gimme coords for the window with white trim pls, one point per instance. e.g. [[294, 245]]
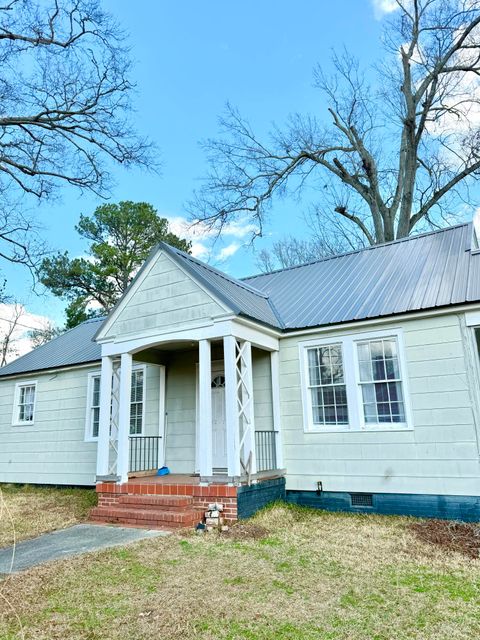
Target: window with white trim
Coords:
[[94, 406], [24, 403], [137, 398], [328, 392], [380, 381], [136, 403], [354, 382]]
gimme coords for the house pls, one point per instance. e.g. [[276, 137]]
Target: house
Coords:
[[350, 383]]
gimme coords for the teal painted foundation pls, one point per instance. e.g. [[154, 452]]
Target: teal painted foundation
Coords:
[[465, 508]]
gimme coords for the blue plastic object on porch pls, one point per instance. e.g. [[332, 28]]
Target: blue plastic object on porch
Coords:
[[164, 471]]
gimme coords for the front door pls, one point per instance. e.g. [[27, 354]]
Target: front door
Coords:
[[219, 444]]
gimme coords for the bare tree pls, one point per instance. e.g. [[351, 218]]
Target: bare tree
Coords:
[[44, 334], [9, 334], [291, 251], [394, 153], [65, 94]]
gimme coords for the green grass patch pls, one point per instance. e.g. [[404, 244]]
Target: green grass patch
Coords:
[[313, 575]]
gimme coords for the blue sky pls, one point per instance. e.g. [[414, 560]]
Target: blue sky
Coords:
[[191, 58]]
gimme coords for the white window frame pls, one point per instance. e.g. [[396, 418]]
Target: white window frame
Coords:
[[88, 420], [356, 418], [16, 422], [143, 368], [88, 416]]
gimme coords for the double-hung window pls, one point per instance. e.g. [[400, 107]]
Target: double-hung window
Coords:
[[24, 403], [136, 403], [380, 381], [354, 383], [326, 381], [137, 398], [93, 412]]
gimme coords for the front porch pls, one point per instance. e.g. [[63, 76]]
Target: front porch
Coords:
[[208, 410]]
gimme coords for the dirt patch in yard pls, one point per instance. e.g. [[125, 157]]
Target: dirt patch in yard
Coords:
[[460, 537], [245, 531]]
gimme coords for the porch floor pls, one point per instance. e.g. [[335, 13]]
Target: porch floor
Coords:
[[171, 478]]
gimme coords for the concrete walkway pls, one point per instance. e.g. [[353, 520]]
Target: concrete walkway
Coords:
[[73, 541]]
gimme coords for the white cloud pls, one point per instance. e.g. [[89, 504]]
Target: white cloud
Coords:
[[20, 342], [384, 7], [205, 239], [199, 250], [228, 251]]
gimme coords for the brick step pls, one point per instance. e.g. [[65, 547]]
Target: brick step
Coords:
[[142, 524], [178, 503], [129, 515]]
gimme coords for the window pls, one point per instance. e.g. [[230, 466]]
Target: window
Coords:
[[327, 387], [382, 395], [136, 404], [24, 403], [93, 416], [354, 383]]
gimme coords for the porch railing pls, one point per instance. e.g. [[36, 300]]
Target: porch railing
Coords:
[[143, 452], [266, 450]]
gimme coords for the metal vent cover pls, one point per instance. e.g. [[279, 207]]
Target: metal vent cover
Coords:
[[361, 499]]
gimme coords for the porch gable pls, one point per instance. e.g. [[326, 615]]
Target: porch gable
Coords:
[[162, 296]]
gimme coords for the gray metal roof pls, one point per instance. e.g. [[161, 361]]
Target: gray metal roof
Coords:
[[432, 270], [72, 347], [427, 271], [240, 297]]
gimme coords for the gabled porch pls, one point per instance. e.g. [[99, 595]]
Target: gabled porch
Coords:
[[217, 426]]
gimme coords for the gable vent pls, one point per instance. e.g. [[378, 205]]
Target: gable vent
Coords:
[[361, 499]]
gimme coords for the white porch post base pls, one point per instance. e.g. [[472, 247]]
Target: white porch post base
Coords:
[[103, 444], [205, 408], [231, 406], [124, 416]]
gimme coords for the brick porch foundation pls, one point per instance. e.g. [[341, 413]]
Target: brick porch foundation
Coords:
[[163, 502], [112, 498]]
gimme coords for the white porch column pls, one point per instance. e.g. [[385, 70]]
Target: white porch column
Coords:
[[231, 406], [124, 415], [275, 373], [103, 444], [248, 406], [205, 408]]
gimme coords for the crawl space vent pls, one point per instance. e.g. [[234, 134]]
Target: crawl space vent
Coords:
[[361, 499]]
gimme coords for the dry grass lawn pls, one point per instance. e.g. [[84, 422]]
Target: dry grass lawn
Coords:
[[27, 511], [312, 576]]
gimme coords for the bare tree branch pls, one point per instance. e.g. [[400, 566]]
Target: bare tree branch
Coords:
[[405, 148], [65, 92]]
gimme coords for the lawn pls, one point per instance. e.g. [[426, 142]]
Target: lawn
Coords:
[[289, 574], [27, 511]]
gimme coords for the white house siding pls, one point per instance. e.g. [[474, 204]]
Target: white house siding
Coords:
[[180, 405], [164, 299], [52, 450], [262, 390], [152, 396], [439, 456]]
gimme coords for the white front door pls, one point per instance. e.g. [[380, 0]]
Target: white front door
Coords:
[[219, 439]]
